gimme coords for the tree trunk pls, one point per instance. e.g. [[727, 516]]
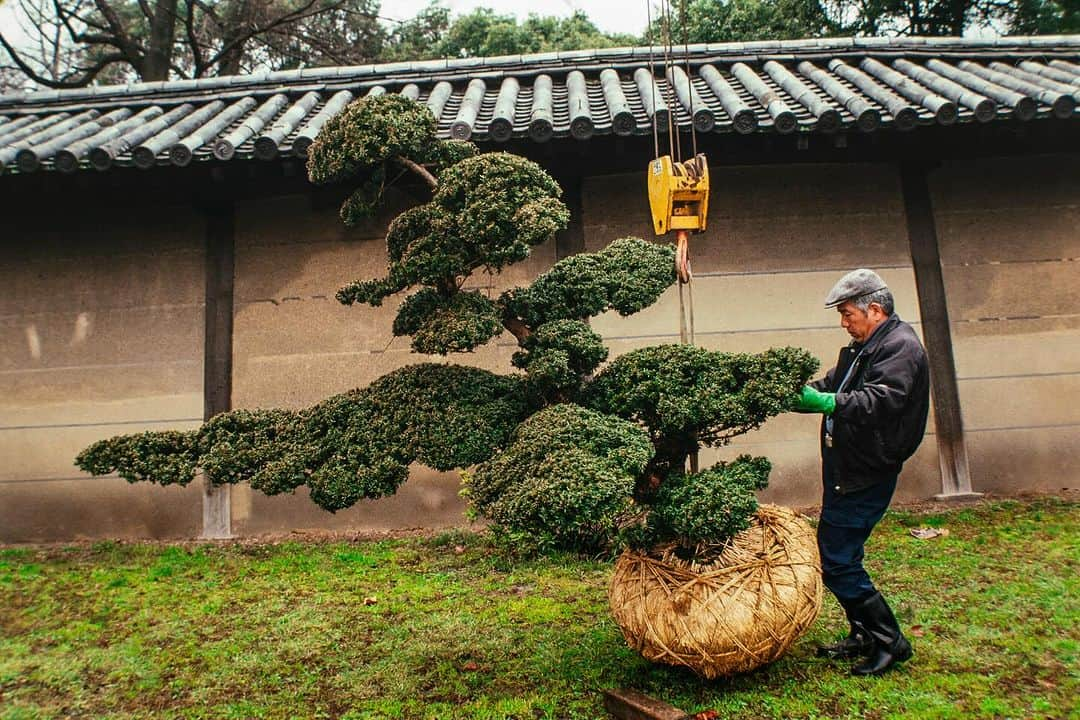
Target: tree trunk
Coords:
[[958, 16], [420, 170], [239, 22], [155, 65]]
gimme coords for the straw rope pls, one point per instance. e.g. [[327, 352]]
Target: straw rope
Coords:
[[733, 608]]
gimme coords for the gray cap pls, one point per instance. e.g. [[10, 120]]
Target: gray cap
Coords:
[[854, 285]]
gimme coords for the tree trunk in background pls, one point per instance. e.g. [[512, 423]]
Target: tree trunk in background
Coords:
[[155, 66], [237, 22]]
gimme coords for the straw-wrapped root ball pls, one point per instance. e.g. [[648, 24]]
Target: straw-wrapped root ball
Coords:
[[735, 607]]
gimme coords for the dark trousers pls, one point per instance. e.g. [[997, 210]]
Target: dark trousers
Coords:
[[846, 522]]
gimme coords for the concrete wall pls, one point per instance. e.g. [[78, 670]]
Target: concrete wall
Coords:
[[101, 333], [777, 240], [1010, 240]]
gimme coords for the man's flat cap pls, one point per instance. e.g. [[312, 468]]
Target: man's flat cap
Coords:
[[854, 285]]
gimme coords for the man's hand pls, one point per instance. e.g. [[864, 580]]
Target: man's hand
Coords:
[[811, 400]]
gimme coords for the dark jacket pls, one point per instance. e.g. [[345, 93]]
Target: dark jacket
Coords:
[[881, 414]]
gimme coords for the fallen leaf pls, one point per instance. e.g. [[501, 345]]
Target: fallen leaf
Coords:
[[706, 715], [470, 666], [916, 631], [926, 533], [371, 600], [459, 549]]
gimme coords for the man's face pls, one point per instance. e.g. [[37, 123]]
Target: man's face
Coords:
[[859, 323]]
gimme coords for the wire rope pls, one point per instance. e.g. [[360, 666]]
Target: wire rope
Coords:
[[652, 74], [674, 144], [689, 77]]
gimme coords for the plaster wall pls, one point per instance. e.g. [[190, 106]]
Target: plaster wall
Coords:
[[1009, 233], [101, 333]]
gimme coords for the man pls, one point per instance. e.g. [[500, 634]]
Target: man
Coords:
[[875, 402]]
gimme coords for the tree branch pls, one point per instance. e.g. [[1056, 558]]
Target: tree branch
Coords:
[[301, 13], [131, 49], [65, 20], [419, 170], [516, 327], [88, 76], [197, 55]]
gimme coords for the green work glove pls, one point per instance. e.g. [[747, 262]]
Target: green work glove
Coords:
[[811, 400]]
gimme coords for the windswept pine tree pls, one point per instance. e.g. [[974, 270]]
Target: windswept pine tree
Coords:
[[562, 448]]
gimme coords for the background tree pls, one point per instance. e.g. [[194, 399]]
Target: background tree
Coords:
[[570, 454], [420, 37], [740, 20], [1041, 17], [74, 43], [485, 33]]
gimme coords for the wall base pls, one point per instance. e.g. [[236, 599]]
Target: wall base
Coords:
[[959, 497]]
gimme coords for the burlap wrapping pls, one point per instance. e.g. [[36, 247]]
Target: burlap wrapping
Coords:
[[742, 609]]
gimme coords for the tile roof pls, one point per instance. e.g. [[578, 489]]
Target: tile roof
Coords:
[[825, 86]]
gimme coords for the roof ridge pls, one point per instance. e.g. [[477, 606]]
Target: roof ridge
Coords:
[[275, 81]]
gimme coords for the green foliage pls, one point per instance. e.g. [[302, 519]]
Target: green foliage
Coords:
[[366, 136], [349, 447], [626, 276], [740, 20], [444, 416], [707, 397], [251, 446], [484, 33], [365, 200], [552, 482], [445, 153], [709, 21], [487, 212], [441, 325], [166, 458], [566, 477], [1046, 17], [368, 133], [495, 207], [559, 356], [702, 507]]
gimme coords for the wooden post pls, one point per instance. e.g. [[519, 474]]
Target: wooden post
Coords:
[[217, 365], [926, 257]]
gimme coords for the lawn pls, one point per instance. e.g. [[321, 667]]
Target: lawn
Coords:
[[448, 627]]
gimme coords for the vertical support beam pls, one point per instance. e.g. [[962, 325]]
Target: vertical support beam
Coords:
[[926, 256], [217, 364]]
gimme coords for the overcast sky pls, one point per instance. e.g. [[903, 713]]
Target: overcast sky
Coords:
[[623, 16]]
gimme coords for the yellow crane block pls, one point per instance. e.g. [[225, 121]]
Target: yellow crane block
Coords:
[[679, 194]]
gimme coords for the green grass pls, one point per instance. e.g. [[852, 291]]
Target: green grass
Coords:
[[446, 627]]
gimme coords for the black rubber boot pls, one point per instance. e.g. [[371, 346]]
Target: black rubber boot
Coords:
[[856, 644], [890, 645]]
